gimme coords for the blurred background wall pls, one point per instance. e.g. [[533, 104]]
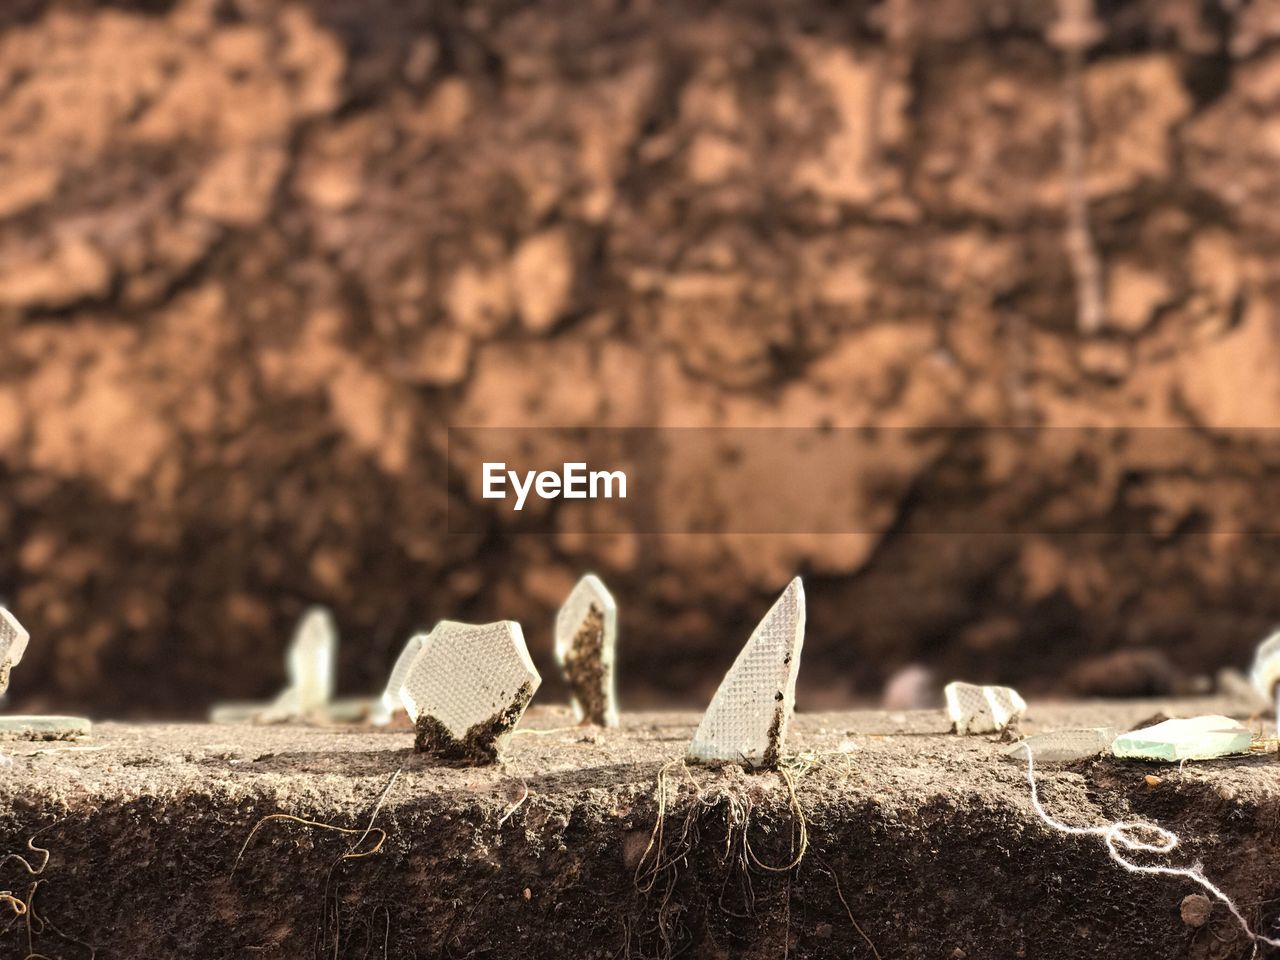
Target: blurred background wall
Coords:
[[256, 256]]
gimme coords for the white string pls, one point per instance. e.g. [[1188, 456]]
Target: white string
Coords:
[[1120, 835]]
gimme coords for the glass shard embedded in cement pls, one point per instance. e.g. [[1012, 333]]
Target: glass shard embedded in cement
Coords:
[[586, 638], [391, 702], [1059, 746], [310, 664], [1265, 674], [467, 688], [748, 717], [13, 643], [1197, 738], [982, 709], [313, 659]]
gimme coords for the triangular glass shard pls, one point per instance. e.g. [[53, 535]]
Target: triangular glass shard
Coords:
[[586, 638], [1197, 738], [467, 688], [390, 701], [747, 719], [982, 709], [13, 643]]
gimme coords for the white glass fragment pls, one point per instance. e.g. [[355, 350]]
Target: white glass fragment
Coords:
[[982, 709], [1059, 746], [389, 704], [1265, 674], [1266, 665], [310, 663], [13, 643], [467, 688], [748, 716], [1195, 738], [313, 659], [586, 639]]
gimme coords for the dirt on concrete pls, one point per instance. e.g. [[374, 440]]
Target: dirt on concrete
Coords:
[[916, 844]]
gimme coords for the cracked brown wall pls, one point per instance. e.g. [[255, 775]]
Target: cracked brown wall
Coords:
[[255, 256]]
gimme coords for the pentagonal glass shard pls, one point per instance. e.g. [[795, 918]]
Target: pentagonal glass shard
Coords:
[[747, 719], [13, 643], [586, 638], [1060, 746], [467, 688], [1196, 738], [391, 695], [982, 709]]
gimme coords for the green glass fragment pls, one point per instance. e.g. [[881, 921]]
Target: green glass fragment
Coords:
[[1195, 738]]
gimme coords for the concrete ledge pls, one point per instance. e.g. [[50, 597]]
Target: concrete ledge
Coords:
[[930, 839]]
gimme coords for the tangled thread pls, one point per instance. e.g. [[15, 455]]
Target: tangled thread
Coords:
[[1125, 835]]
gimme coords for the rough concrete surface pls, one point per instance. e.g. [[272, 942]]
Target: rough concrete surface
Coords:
[[929, 838]]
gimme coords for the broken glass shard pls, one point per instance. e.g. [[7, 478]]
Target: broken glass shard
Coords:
[[467, 688], [1059, 746], [390, 703], [748, 716], [1265, 674], [982, 709], [586, 636], [1196, 738], [13, 643], [312, 659], [310, 664], [44, 727]]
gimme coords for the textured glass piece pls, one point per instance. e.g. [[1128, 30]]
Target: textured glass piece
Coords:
[[1265, 674], [391, 702], [586, 640], [1058, 746], [748, 716], [467, 688], [1195, 738], [13, 643], [982, 709]]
